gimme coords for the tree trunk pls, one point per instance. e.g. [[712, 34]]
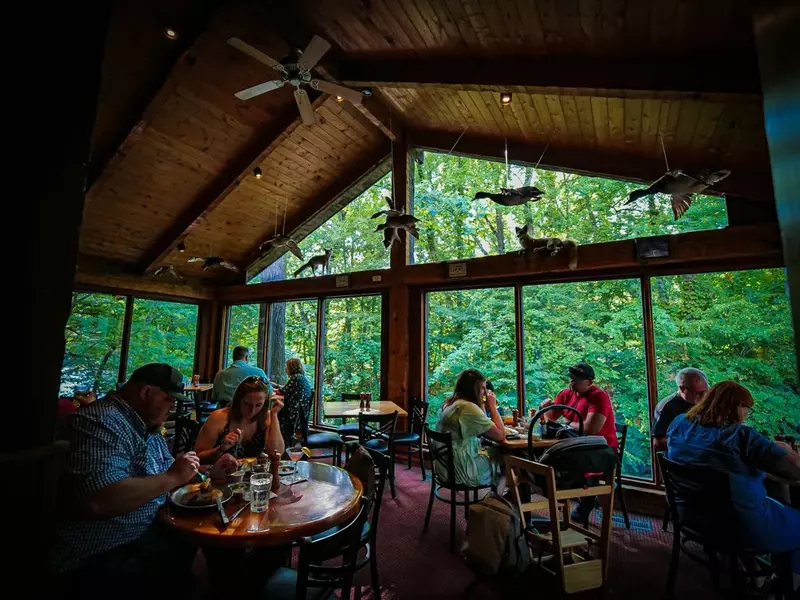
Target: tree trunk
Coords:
[[102, 367], [276, 345], [498, 231]]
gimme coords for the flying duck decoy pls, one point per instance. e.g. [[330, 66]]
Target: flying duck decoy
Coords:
[[214, 261], [169, 270], [407, 222], [388, 212], [512, 196], [282, 241], [680, 186]]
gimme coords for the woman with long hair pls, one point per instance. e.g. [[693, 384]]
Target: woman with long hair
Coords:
[[712, 434], [296, 399], [464, 417], [246, 428]]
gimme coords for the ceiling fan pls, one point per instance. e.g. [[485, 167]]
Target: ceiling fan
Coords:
[[295, 69]]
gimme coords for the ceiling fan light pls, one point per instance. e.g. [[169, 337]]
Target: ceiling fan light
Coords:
[[339, 99], [257, 172], [505, 98], [170, 33]]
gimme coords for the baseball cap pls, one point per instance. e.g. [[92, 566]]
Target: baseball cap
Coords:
[[161, 375], [582, 370]]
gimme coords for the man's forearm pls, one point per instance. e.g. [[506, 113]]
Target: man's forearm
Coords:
[[128, 494]]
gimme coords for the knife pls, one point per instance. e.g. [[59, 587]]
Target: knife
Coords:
[[221, 510], [238, 512]]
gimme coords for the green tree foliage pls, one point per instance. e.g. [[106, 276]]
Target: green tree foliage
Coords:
[[163, 332], [243, 330], [93, 338]]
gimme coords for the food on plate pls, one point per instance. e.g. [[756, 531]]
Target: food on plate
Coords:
[[239, 488], [197, 497], [205, 485]]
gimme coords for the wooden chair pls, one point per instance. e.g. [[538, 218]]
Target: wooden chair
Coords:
[[440, 446], [575, 555], [622, 436], [186, 430], [412, 440], [376, 432], [348, 429], [320, 440], [316, 568]]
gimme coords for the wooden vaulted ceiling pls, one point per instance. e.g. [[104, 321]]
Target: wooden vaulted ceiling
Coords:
[[597, 82]]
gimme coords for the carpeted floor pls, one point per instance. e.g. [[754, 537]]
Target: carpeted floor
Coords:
[[416, 565]]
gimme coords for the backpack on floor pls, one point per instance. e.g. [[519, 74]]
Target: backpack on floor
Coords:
[[579, 461], [495, 537]]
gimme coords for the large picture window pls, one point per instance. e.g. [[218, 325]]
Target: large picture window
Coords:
[[599, 322], [736, 326], [584, 209], [471, 329], [352, 350], [292, 334], [245, 328], [163, 332], [93, 343]]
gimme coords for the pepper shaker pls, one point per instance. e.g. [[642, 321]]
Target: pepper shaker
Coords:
[[275, 468]]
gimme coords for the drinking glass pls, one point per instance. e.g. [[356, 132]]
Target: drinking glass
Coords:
[[260, 484], [295, 453]]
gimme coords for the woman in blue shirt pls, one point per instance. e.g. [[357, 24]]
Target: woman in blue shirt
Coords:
[[712, 435]]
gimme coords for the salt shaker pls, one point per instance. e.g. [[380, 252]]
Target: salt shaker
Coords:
[[369, 397], [361, 401], [515, 416]]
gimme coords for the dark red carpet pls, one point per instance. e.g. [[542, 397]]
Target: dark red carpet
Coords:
[[417, 565]]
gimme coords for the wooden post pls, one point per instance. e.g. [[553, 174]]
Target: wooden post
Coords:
[[64, 118], [650, 360], [776, 23], [126, 340], [398, 334]]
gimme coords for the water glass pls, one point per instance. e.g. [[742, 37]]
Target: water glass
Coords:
[[260, 485]]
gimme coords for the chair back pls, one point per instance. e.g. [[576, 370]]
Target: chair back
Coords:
[[380, 464], [342, 543], [622, 436], [440, 446], [304, 421], [700, 502], [346, 397], [419, 415], [186, 431], [377, 427], [535, 419]]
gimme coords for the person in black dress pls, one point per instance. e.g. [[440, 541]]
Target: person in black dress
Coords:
[[296, 400]]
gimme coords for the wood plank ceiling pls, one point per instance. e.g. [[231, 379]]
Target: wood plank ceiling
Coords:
[[607, 77]]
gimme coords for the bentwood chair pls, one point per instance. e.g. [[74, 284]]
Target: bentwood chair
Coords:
[[348, 429], [320, 440], [376, 432], [703, 516], [318, 575], [410, 442], [622, 436], [186, 430], [440, 446]]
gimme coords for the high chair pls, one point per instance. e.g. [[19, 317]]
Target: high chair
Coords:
[[575, 555]]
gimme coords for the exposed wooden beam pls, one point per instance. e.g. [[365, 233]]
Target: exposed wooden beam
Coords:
[[618, 165], [226, 182], [375, 112], [136, 122], [316, 211], [697, 74]]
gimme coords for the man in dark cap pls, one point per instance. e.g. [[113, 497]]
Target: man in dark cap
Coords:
[[118, 475], [595, 408]]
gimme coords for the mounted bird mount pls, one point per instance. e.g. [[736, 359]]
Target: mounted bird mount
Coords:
[[295, 70], [680, 186], [209, 262], [282, 241], [168, 270], [395, 221], [512, 196]]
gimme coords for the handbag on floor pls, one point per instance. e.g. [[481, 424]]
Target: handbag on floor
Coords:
[[495, 538]]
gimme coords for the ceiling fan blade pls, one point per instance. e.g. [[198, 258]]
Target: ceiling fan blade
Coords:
[[315, 50], [257, 90], [304, 104], [256, 53], [334, 89]]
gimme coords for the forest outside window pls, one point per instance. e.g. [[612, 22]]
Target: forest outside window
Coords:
[[471, 329], [93, 343], [163, 332], [584, 209], [735, 325], [352, 349], [292, 334], [246, 324]]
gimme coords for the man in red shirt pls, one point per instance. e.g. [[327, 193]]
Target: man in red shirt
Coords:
[[595, 408]]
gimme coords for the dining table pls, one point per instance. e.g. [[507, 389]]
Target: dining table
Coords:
[[324, 497], [345, 409]]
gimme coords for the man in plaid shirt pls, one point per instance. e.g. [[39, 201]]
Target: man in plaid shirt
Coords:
[[119, 473]]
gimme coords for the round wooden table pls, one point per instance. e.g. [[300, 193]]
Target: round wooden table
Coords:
[[329, 497]]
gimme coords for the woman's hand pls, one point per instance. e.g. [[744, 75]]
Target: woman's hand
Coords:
[[277, 404], [491, 400], [225, 465], [231, 439]]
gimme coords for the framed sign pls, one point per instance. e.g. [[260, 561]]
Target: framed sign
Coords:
[[458, 269], [652, 247], [342, 281]]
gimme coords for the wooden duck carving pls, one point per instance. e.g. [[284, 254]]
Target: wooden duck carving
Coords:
[[512, 196], [282, 241], [209, 262], [167, 270], [680, 186]]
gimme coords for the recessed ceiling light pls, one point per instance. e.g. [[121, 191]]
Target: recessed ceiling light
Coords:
[[257, 172], [505, 98], [181, 247], [170, 33], [339, 98]]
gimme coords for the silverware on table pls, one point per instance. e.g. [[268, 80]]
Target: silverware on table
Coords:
[[238, 512], [221, 509]]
